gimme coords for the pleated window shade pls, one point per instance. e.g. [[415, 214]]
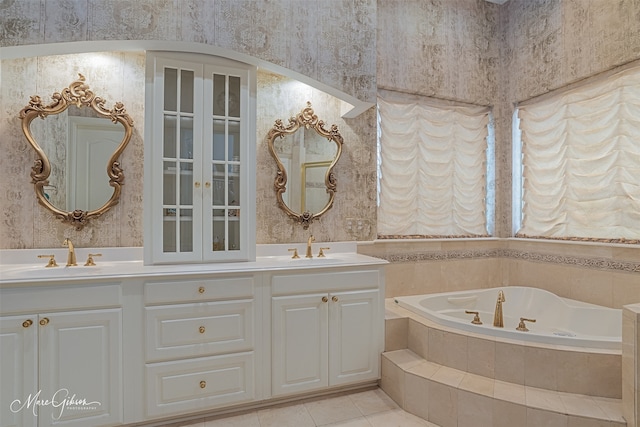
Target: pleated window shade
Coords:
[[581, 161], [432, 171]]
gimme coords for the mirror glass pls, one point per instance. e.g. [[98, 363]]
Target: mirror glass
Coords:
[[305, 153], [78, 142]]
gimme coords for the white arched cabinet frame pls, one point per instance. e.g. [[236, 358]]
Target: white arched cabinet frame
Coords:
[[199, 159]]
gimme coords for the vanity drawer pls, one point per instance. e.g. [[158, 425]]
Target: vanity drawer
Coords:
[[170, 292], [199, 384], [201, 329]]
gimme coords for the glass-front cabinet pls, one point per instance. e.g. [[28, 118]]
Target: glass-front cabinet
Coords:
[[200, 173]]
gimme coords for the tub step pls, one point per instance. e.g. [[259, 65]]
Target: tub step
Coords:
[[450, 397]]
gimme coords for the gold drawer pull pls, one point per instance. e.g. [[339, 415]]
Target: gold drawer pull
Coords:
[[197, 184], [201, 289], [201, 329], [44, 321], [334, 298], [325, 299], [27, 323], [203, 384]]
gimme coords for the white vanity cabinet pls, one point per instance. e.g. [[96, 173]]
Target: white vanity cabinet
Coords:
[[61, 356], [200, 343], [327, 329]]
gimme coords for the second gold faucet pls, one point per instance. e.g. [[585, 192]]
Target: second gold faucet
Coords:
[[309, 241], [71, 257]]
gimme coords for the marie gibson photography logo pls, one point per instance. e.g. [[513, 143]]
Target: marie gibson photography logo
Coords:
[[62, 400]]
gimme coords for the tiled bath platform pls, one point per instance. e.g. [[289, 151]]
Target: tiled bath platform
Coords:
[[456, 379]]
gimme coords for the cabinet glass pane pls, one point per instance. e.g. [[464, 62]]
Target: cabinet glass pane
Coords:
[[169, 183], [219, 138], [186, 138], [186, 183], [218, 192], [234, 231], [186, 230], [234, 141], [218, 228], [219, 94], [170, 89], [234, 186], [169, 137], [186, 91], [234, 96], [169, 234]]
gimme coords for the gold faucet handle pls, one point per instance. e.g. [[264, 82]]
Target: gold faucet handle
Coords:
[[521, 326], [476, 319], [321, 253], [295, 253], [90, 259], [52, 260]]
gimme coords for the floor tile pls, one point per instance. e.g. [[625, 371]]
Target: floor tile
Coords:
[[332, 410], [372, 401], [286, 416], [395, 418]]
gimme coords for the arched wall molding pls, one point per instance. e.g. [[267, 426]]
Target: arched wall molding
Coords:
[[351, 106]]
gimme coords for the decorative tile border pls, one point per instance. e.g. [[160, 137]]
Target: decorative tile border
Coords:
[[583, 262]]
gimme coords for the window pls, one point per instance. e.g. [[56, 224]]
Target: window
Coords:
[[578, 156], [435, 176]]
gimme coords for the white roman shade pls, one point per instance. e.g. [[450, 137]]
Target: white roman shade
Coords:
[[581, 161], [432, 173]]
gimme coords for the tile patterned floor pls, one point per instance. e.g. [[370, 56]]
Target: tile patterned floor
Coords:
[[371, 408]]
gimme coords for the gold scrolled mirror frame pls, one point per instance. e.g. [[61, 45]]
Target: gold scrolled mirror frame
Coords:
[[78, 94], [306, 119]]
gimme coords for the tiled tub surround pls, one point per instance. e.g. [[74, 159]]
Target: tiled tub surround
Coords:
[[602, 274], [455, 378]]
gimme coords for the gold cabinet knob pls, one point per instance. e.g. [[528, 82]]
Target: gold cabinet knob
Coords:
[[27, 323], [201, 329], [325, 299], [207, 184], [44, 321], [203, 384], [334, 298], [201, 289]]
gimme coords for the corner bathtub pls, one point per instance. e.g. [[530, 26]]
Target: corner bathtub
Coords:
[[559, 321]]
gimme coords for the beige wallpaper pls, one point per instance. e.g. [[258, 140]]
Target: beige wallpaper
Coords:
[[465, 50]]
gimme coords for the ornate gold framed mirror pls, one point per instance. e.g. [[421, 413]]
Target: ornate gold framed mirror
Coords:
[[305, 153], [71, 145]]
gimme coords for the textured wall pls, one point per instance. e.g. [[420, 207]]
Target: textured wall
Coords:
[[330, 41], [114, 76]]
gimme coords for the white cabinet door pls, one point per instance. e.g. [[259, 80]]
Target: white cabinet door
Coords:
[[81, 365], [18, 370], [299, 343], [354, 344]]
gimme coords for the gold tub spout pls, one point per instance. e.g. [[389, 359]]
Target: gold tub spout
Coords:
[[309, 241], [71, 257], [498, 320]]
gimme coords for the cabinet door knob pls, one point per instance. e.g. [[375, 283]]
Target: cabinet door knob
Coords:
[[201, 329], [44, 321], [203, 384], [334, 298], [207, 184], [27, 323], [201, 289], [197, 184], [325, 299]]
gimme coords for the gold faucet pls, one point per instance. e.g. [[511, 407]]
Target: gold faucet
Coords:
[[309, 241], [71, 258], [498, 320]]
